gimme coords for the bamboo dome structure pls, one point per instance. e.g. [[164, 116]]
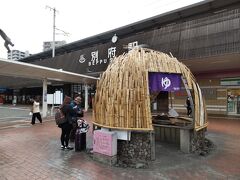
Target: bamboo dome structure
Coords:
[[122, 99]]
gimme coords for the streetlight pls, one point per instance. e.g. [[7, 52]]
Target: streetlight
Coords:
[[54, 27]]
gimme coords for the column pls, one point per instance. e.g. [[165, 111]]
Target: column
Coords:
[[185, 140], [44, 98], [86, 97]]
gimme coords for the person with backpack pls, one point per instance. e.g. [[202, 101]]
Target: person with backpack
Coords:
[[66, 127], [76, 105]]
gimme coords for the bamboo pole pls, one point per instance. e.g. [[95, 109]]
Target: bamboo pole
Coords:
[[122, 97]]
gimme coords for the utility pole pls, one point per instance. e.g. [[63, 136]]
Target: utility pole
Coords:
[[54, 28]]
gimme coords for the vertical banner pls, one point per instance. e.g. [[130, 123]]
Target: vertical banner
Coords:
[[164, 82]]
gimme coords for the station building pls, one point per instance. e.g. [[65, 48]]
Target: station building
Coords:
[[205, 36]]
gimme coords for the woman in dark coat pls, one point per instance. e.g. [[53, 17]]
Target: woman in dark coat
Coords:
[[67, 126], [189, 108]]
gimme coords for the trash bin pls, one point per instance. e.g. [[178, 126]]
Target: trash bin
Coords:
[[80, 140]]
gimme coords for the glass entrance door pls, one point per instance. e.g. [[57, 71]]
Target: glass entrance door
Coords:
[[233, 102], [238, 105]]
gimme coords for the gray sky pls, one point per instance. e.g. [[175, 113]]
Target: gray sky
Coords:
[[28, 22]]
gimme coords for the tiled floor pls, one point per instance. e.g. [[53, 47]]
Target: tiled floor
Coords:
[[33, 152]]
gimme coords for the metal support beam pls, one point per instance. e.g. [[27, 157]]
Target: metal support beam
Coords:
[[86, 97], [44, 98]]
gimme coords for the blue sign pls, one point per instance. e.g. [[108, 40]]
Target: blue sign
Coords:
[[2, 90], [164, 82]]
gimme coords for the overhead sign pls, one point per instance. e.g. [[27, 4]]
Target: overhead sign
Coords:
[[164, 82], [230, 82], [2, 89]]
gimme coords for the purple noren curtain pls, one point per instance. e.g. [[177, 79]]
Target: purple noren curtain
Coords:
[[163, 82]]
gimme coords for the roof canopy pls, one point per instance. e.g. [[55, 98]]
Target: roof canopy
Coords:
[[31, 71]]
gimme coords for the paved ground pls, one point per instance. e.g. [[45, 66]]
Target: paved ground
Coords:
[[13, 116], [33, 152]]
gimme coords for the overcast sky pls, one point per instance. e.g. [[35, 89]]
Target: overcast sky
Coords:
[[28, 22]]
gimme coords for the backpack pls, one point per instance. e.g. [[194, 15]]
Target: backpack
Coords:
[[83, 126], [60, 117]]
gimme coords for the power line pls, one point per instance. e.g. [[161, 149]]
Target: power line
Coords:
[[63, 32]]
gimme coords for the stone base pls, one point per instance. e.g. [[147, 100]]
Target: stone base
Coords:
[[191, 141], [139, 147], [138, 151], [199, 141], [110, 160]]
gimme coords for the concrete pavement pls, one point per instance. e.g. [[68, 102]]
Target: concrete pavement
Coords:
[[33, 152], [15, 116]]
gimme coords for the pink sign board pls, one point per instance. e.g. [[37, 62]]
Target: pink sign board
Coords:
[[105, 142]]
